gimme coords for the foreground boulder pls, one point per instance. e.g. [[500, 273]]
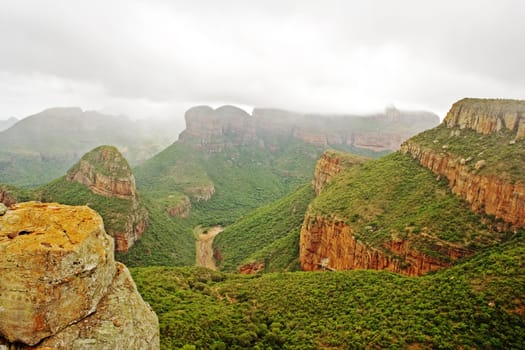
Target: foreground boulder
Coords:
[[61, 287]]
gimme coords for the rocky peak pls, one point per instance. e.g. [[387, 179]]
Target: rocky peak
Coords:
[[61, 287], [330, 164], [212, 129], [107, 173], [487, 116]]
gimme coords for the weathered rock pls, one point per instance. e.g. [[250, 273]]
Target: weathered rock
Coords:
[[252, 268], [56, 264], [330, 164], [487, 116], [485, 194], [6, 198], [328, 243], [201, 193], [107, 173], [3, 209], [60, 286], [122, 321], [181, 210]]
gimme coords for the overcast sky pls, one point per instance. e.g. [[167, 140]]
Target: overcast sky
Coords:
[[158, 58]]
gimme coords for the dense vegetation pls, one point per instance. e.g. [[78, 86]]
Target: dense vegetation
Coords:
[[504, 156], [269, 234], [395, 198], [243, 177], [475, 304]]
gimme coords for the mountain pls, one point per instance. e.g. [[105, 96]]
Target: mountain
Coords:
[[6, 124], [43, 146], [57, 263], [422, 248], [394, 214]]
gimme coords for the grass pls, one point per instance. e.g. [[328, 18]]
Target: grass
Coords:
[[394, 197], [504, 159], [268, 234], [476, 304]]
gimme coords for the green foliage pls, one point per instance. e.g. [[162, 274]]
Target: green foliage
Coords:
[[476, 304], [269, 233], [504, 156], [166, 242], [394, 197]]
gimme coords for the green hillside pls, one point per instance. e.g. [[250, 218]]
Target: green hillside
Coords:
[[244, 177], [269, 234], [475, 304], [395, 198]]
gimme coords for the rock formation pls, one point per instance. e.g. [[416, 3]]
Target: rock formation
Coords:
[[212, 130], [491, 194], [61, 287], [181, 210], [487, 116], [107, 173], [329, 243], [252, 268], [6, 197], [330, 164]]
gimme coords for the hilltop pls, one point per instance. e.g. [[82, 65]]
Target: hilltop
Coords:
[[41, 147]]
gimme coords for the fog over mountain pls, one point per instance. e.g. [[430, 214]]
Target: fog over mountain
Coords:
[[158, 58]]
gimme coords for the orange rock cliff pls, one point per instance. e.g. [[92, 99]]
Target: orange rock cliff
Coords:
[[107, 173], [489, 194], [61, 287]]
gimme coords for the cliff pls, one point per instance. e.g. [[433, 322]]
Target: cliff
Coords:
[[107, 173], [181, 209], [487, 116], [489, 177], [213, 129], [61, 287], [330, 164], [388, 214], [329, 243]]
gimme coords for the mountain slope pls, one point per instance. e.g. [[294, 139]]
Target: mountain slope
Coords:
[[43, 146], [476, 304]]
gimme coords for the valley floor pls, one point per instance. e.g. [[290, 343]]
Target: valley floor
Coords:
[[204, 246]]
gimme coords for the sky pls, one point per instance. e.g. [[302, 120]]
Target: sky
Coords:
[[157, 58]]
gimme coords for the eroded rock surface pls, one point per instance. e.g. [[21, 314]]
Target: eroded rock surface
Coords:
[[58, 274]]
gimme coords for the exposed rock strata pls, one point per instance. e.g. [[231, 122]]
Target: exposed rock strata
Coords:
[[181, 210], [213, 129], [252, 268], [330, 164], [329, 243], [107, 173], [60, 286], [485, 194], [201, 193], [488, 116]]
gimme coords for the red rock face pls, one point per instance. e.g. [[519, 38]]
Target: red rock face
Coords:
[[252, 268], [488, 116], [6, 198], [330, 164], [182, 210], [485, 194], [328, 243]]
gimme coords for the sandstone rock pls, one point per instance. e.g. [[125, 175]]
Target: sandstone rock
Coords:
[[107, 173], [485, 194], [487, 116], [181, 210], [56, 267], [201, 193], [328, 243], [252, 268], [60, 286], [122, 321], [6, 198], [330, 164]]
